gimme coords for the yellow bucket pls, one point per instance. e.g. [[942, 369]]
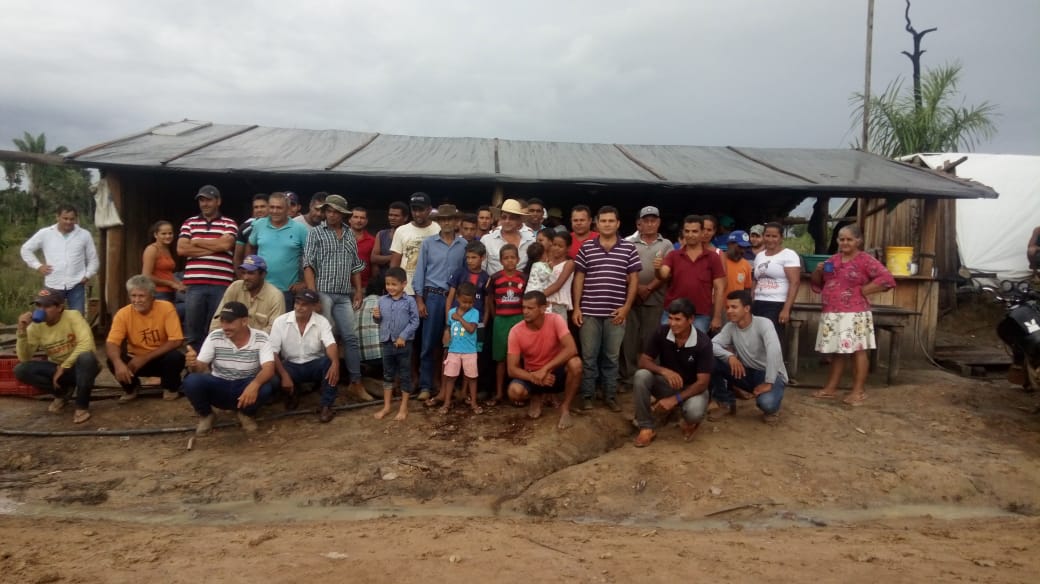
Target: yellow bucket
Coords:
[[897, 260]]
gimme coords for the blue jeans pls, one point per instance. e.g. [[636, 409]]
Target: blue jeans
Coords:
[[202, 303], [600, 349], [432, 338], [206, 391], [721, 391], [40, 374], [701, 322], [312, 372], [76, 298], [339, 309], [397, 362]]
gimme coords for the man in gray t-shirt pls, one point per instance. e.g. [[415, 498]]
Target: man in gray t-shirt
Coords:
[[748, 360]]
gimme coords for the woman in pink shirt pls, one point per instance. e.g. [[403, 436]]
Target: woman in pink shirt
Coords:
[[846, 323]]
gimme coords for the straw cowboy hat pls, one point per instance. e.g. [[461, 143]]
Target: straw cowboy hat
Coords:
[[512, 206]]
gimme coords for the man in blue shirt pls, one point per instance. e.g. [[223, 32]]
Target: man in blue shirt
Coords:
[[440, 256], [280, 241]]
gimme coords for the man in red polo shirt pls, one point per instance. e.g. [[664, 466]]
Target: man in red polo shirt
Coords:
[[581, 223], [697, 274], [365, 241]]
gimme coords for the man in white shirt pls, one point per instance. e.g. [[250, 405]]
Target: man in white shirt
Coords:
[[305, 352], [232, 371], [69, 257]]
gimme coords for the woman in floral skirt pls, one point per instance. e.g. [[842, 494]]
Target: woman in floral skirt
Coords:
[[846, 324]]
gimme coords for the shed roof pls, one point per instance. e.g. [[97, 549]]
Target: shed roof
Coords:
[[222, 148]]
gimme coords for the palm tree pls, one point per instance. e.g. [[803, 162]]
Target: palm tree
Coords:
[[12, 173], [898, 126], [37, 173]]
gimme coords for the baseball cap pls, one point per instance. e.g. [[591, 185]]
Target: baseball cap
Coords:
[[740, 238], [649, 210], [337, 202], [292, 197], [208, 191], [757, 229], [49, 297], [233, 311], [727, 221], [253, 263], [308, 295], [420, 200]]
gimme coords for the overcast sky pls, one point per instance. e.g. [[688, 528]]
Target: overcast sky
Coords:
[[769, 73]]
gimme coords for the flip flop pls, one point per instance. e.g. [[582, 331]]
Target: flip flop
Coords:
[[820, 394], [855, 400], [445, 410], [478, 410], [491, 402], [433, 402]]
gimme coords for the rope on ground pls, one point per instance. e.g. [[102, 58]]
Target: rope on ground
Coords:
[[169, 430]]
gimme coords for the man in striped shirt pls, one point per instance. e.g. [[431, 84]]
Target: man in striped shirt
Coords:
[[606, 278], [233, 371], [208, 241]]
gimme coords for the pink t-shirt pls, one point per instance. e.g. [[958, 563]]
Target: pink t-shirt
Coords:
[[843, 288], [538, 347]]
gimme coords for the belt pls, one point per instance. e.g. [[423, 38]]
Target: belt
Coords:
[[434, 290]]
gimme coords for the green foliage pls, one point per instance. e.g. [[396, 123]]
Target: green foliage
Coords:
[[803, 244], [897, 127]]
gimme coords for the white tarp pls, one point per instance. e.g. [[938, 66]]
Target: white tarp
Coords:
[[992, 234]]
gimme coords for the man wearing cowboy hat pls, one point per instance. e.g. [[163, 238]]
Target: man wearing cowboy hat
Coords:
[[332, 266], [508, 231], [439, 257]]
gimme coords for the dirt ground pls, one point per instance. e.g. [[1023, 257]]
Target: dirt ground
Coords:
[[933, 479]]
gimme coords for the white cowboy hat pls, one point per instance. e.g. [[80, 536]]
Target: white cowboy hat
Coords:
[[513, 207]]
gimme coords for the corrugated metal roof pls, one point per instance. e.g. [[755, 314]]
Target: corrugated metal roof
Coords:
[[205, 147]]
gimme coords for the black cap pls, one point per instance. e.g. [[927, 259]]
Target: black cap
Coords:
[[233, 311], [308, 295], [49, 297], [420, 200], [208, 191]]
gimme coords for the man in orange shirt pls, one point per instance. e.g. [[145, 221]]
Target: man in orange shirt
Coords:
[[738, 269], [152, 333]]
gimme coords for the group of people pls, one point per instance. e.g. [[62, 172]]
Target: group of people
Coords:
[[559, 314]]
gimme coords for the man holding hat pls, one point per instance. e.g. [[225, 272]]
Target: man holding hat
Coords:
[[404, 248], [65, 337], [263, 301], [208, 241], [280, 241], [233, 371], [509, 230], [645, 316], [440, 256], [332, 267], [305, 352]]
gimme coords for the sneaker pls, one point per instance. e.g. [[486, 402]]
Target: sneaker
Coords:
[[586, 403], [127, 397], [57, 405], [247, 422], [424, 395], [170, 395], [205, 425], [613, 405]]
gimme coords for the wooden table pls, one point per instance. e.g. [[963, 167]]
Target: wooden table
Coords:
[[888, 318]]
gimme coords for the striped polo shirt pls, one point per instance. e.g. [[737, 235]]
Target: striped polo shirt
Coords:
[[215, 269], [606, 275], [507, 292], [232, 363]]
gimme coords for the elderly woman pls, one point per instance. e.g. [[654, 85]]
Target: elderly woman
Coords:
[[846, 324], [777, 272]]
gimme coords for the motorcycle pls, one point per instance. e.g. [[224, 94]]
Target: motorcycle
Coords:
[[1020, 331]]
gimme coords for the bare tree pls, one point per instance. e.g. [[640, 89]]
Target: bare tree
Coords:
[[915, 58]]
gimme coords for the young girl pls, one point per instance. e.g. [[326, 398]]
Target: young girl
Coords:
[[505, 299], [538, 272], [558, 291], [158, 264]]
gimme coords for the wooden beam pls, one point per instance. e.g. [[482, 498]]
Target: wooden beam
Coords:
[[929, 237], [112, 286], [32, 157], [209, 143], [638, 162], [103, 145], [354, 151], [498, 166], [770, 166]]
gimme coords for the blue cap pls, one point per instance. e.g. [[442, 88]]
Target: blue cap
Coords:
[[740, 238], [253, 263]]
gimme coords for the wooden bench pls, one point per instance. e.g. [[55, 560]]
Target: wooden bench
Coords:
[[887, 318]]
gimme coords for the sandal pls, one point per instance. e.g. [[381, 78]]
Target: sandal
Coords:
[[821, 394], [491, 402], [477, 410], [855, 399], [433, 402], [445, 410]]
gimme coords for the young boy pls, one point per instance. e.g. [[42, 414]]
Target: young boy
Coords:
[[505, 303], [398, 318], [461, 339], [738, 269], [474, 274]]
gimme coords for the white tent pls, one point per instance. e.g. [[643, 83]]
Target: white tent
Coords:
[[992, 234]]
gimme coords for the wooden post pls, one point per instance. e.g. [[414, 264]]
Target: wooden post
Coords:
[[115, 267], [929, 237]]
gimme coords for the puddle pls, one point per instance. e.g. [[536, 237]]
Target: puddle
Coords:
[[289, 511]]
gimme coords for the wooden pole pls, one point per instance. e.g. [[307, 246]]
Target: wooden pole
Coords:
[[866, 76]]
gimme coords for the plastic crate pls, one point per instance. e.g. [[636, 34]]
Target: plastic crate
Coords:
[[11, 386]]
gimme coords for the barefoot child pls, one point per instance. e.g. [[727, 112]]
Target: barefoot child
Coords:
[[461, 339], [506, 289], [398, 318]]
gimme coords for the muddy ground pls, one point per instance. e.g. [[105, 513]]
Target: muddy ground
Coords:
[[934, 479]]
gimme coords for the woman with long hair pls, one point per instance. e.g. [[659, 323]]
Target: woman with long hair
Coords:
[[158, 264], [778, 273]]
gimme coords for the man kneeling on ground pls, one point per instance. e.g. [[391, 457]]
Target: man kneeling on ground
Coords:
[[549, 356], [242, 365], [152, 332], [674, 367], [65, 337], [306, 352], [749, 361]]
